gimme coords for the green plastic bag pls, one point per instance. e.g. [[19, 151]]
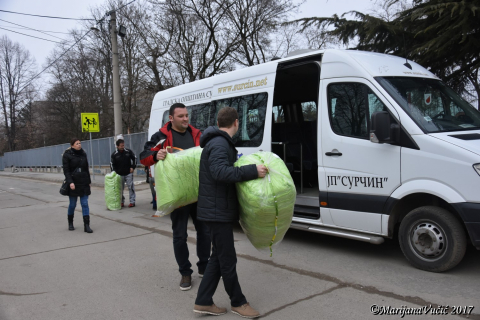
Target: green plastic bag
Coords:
[[113, 191], [176, 180], [266, 205]]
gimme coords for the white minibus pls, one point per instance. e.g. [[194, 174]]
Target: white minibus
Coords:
[[378, 146]]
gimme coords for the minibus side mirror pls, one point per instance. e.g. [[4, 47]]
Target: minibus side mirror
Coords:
[[382, 130]]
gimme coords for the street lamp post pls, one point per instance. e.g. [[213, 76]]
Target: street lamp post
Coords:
[[117, 106]]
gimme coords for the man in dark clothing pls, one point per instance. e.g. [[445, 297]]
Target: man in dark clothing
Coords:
[[178, 133], [123, 162], [218, 207], [151, 182]]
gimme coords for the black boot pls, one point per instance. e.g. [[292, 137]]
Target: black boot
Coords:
[[86, 224], [70, 222]]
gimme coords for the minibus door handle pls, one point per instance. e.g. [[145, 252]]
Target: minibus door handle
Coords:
[[333, 154]]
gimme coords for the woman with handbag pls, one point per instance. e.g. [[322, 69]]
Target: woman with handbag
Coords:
[[77, 177]]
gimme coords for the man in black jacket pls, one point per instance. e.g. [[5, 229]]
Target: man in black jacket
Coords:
[[218, 207], [123, 162]]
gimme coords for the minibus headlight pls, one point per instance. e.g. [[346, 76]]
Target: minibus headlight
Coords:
[[477, 168]]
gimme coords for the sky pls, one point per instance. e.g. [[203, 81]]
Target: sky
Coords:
[[41, 49]]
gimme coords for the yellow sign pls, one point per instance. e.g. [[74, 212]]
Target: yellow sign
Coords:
[[90, 122]]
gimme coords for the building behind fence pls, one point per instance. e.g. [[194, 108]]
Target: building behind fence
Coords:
[[98, 153]]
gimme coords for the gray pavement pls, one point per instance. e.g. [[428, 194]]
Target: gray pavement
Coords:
[[97, 180], [126, 268]]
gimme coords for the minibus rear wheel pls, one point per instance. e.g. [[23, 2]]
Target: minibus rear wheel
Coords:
[[432, 239]]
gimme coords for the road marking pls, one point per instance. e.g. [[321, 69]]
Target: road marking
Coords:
[[2, 293], [81, 245], [340, 286]]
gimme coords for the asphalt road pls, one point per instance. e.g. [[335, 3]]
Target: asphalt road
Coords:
[[126, 268]]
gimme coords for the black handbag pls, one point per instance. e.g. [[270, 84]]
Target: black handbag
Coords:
[[65, 188]]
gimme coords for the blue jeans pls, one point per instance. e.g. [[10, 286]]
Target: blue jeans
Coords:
[[73, 204]]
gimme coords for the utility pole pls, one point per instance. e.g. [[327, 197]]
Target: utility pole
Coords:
[[117, 106]]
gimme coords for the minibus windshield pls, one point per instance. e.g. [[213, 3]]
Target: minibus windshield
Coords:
[[431, 104]]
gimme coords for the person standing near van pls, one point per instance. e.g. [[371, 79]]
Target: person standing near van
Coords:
[[151, 182], [218, 207], [77, 175], [180, 134], [123, 162]]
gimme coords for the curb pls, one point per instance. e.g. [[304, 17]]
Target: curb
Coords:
[[93, 184]]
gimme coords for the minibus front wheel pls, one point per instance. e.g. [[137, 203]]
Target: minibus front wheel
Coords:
[[432, 239]]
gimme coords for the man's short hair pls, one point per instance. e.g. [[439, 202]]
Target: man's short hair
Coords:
[[119, 141], [175, 106], [226, 117]]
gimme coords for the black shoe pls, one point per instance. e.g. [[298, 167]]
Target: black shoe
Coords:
[[86, 224], [186, 283], [70, 222]]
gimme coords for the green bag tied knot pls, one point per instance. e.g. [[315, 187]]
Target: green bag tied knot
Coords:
[[113, 191], [266, 205]]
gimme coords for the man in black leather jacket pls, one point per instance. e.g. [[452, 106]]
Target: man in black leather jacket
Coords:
[[218, 207], [124, 162]]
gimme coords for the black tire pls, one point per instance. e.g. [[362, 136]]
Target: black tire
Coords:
[[435, 231]]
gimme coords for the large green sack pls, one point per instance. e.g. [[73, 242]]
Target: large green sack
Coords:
[[266, 205], [113, 191], [176, 180]]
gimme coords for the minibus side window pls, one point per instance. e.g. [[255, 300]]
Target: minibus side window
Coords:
[[202, 115], [251, 112], [350, 107], [165, 118], [278, 114], [309, 111]]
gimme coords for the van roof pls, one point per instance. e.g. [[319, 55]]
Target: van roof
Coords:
[[335, 63]]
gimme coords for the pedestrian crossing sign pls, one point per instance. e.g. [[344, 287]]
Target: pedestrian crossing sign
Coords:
[[90, 122]]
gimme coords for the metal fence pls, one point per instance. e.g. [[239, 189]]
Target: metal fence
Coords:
[[100, 150], [2, 164]]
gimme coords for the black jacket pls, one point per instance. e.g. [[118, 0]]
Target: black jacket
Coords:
[[74, 160], [121, 162], [217, 195]]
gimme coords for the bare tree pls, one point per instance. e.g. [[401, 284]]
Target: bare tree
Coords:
[[80, 84], [16, 71], [135, 93], [155, 31], [255, 21], [30, 130], [204, 44], [286, 39], [389, 10]]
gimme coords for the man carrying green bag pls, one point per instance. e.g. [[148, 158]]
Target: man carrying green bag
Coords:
[[178, 133], [218, 207]]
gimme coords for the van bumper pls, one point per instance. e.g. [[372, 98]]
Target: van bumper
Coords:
[[470, 213]]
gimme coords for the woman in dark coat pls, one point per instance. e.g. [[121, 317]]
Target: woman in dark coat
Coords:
[[75, 169]]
